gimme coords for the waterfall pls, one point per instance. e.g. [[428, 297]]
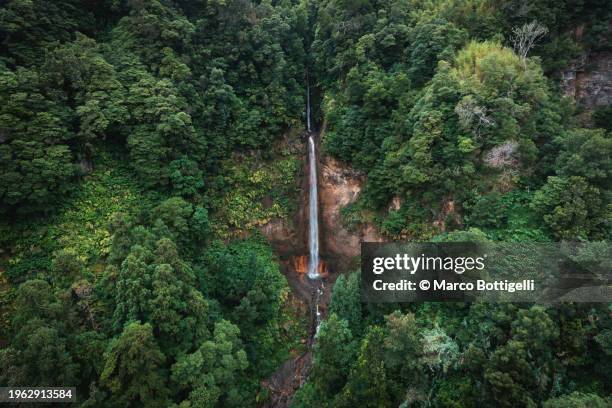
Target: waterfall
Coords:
[[313, 219], [318, 316], [308, 126], [313, 238]]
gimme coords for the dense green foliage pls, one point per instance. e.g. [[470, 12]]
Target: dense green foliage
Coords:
[[459, 355], [461, 139], [143, 142], [181, 86], [160, 323], [121, 125], [433, 104]]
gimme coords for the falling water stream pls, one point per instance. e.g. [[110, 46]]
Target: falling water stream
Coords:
[[294, 372], [313, 219], [313, 204], [308, 125], [313, 239]]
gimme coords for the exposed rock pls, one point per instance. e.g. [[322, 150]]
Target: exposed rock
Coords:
[[300, 264], [339, 186], [288, 236], [396, 204], [589, 80], [448, 212], [322, 269], [283, 384], [280, 235]]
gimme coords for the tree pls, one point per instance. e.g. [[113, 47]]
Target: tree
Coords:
[[162, 129], [520, 371], [157, 287], [368, 383], [212, 373], [440, 352], [244, 277], [510, 376], [571, 208], [36, 159], [171, 218], [66, 265], [93, 88], [186, 178], [333, 354], [402, 355], [489, 211], [525, 37], [431, 42], [346, 301], [40, 348], [134, 368], [585, 153], [29, 27], [576, 400], [39, 355]]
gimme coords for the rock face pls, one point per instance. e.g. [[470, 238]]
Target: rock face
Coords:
[[338, 187], [589, 80], [283, 237], [289, 237]]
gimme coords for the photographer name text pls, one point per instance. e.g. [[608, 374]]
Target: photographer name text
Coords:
[[446, 286]]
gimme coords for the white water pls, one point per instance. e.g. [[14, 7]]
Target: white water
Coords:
[[318, 321], [318, 316], [308, 108], [313, 238], [313, 205]]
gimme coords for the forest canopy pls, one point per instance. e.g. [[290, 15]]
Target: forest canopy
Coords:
[[144, 145]]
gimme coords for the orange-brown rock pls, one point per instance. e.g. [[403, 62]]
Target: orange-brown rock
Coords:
[[448, 212], [322, 269], [300, 264], [339, 186]]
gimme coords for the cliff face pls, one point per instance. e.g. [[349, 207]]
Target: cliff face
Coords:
[[589, 80], [338, 187], [283, 237], [286, 235]]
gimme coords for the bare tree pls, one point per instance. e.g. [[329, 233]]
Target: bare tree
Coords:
[[503, 155], [525, 37], [473, 116]]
